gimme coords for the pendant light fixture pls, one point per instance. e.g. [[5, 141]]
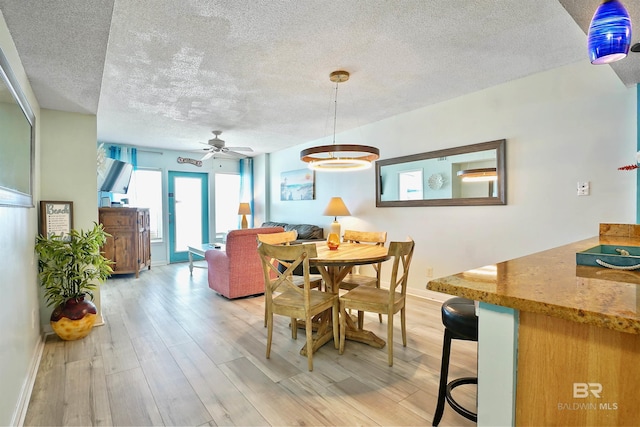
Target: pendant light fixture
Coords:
[[478, 175], [609, 33], [336, 157]]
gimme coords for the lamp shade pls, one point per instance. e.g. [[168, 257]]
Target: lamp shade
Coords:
[[609, 33], [244, 209], [336, 207]]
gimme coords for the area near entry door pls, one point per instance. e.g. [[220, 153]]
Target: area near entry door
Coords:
[[188, 213]]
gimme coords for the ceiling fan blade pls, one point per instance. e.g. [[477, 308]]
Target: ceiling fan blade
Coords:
[[240, 148], [233, 154], [207, 156]]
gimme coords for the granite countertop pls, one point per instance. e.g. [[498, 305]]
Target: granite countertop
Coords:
[[551, 283]]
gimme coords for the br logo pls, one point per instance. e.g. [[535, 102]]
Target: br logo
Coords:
[[582, 390]]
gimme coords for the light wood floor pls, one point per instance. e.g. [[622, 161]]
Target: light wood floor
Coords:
[[173, 352]]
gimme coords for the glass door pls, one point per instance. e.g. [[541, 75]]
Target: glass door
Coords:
[[227, 199], [188, 213]]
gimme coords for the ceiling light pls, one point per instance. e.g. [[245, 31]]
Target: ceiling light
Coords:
[[609, 33], [336, 157], [478, 175]]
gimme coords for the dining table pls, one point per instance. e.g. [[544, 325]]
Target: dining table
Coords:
[[334, 265]]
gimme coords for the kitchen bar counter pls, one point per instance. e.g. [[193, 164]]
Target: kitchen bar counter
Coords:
[[559, 343], [551, 283]]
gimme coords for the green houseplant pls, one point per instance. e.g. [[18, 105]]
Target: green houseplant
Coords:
[[69, 267]]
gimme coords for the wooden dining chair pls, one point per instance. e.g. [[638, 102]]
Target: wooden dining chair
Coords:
[[286, 298], [285, 238], [382, 301], [352, 280]]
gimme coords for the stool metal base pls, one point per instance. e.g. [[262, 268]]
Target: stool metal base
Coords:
[[455, 405], [444, 392]]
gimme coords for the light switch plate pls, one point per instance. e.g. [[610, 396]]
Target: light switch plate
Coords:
[[583, 188]]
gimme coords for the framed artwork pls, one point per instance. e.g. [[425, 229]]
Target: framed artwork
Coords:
[[56, 218], [298, 185]]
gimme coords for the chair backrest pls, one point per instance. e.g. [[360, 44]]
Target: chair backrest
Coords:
[[377, 237], [283, 238], [292, 256], [401, 252]]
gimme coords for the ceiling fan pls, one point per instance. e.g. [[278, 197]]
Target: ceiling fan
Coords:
[[216, 146]]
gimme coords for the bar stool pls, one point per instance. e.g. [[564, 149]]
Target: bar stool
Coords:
[[461, 323]]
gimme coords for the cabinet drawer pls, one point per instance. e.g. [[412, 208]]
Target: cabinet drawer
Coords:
[[118, 220]]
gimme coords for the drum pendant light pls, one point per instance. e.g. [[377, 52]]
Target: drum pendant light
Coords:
[[336, 157], [609, 33]]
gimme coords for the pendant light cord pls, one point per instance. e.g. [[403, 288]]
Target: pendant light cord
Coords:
[[335, 114]]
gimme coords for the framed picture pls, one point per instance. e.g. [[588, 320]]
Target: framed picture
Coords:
[[298, 185], [56, 218]]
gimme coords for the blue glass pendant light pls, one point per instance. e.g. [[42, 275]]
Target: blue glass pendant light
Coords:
[[609, 33]]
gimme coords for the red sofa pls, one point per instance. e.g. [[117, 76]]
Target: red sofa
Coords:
[[236, 271]]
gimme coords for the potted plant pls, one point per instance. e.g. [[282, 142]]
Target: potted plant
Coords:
[[69, 267]]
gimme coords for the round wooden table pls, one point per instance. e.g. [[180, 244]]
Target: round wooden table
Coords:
[[334, 265]]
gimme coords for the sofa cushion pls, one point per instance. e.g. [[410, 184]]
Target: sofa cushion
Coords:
[[306, 231], [273, 224]]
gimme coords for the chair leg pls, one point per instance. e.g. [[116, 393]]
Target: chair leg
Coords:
[[403, 324], [294, 328], [360, 319], [336, 325], [309, 330], [444, 373], [343, 326], [378, 286], [269, 333], [390, 337]]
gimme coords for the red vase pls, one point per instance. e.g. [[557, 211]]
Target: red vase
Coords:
[[74, 319]]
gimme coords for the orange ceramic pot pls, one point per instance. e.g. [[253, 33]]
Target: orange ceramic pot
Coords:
[[74, 319]]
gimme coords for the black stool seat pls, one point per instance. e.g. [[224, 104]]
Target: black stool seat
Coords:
[[459, 316], [460, 322]]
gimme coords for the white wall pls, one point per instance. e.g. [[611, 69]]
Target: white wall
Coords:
[[19, 335], [68, 168], [576, 123]]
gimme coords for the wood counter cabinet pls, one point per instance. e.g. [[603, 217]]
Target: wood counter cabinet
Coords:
[[558, 343], [129, 246]]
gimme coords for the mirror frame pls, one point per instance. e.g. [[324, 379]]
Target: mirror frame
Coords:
[[501, 199], [12, 196]]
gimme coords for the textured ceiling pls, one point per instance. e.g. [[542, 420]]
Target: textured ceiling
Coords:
[[164, 74]]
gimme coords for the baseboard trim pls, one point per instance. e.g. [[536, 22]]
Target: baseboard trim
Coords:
[[27, 387], [427, 294]]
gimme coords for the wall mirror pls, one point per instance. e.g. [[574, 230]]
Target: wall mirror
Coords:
[[472, 175], [17, 140]]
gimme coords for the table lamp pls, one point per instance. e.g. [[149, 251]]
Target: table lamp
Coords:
[[336, 208], [244, 209]]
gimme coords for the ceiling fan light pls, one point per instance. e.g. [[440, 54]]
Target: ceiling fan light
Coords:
[[609, 35]]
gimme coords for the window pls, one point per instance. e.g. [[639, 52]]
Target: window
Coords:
[[145, 191]]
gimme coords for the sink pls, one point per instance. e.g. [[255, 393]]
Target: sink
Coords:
[[611, 256]]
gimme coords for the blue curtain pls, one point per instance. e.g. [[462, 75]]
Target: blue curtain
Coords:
[[246, 185], [115, 152], [133, 157], [130, 154]]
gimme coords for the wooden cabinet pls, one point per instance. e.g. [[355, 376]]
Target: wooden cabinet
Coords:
[[129, 246]]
